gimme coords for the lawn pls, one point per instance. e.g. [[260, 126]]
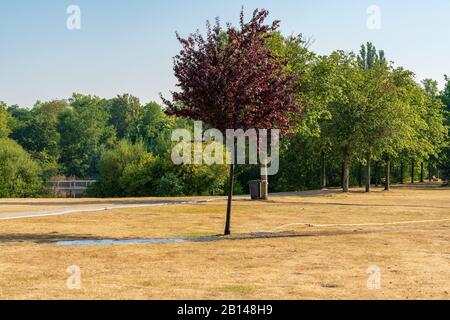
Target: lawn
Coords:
[[295, 247]]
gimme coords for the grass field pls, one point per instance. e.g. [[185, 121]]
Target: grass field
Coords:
[[296, 247]]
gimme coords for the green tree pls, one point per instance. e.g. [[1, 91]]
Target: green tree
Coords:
[[20, 118], [40, 137], [4, 121], [445, 94], [202, 179], [343, 127], [374, 66], [154, 128], [435, 115], [170, 185], [124, 111], [19, 174], [444, 157], [84, 133], [126, 170], [316, 89]]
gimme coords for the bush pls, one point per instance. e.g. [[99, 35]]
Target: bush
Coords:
[[201, 179], [4, 122], [125, 170], [130, 170], [19, 174], [170, 186]]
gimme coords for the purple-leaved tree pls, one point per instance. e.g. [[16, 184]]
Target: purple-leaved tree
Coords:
[[231, 80]]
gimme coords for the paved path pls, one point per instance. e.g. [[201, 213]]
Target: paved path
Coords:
[[96, 208], [111, 206]]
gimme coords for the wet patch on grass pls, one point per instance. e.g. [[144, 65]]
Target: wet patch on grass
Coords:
[[186, 239], [237, 237]]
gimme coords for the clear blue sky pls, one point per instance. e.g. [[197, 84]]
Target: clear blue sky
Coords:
[[127, 46]]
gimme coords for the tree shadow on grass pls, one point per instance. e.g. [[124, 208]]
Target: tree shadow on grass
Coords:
[[45, 238], [299, 203], [80, 240]]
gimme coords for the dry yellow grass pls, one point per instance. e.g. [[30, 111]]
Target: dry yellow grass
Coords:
[[21, 205], [327, 262]]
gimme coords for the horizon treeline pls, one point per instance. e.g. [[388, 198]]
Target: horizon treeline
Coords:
[[363, 117]]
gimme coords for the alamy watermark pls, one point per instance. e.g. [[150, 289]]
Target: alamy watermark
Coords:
[[73, 22], [374, 19], [208, 147], [74, 280], [374, 280]]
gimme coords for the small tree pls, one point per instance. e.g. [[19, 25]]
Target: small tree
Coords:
[[374, 65], [19, 174], [231, 80], [341, 129], [4, 121]]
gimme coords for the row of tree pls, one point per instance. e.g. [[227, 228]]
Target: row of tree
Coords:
[[362, 110], [124, 145], [349, 108]]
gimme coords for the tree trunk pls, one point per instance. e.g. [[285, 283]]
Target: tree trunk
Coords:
[[402, 173], [368, 178], [422, 173], [346, 174], [323, 172], [377, 174], [264, 183], [413, 171], [430, 172], [387, 186], [230, 201], [360, 175]]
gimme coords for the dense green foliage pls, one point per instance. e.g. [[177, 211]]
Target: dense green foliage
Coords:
[[4, 122], [19, 174], [130, 170], [126, 146]]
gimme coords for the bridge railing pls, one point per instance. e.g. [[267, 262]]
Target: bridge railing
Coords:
[[70, 188], [72, 185]]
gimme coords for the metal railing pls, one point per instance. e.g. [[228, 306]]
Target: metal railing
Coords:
[[70, 188], [71, 185]]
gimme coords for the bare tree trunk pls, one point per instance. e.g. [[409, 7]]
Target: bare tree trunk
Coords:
[[430, 172], [413, 170], [422, 173], [230, 201], [227, 231], [346, 174], [377, 174], [387, 186], [323, 172], [360, 175], [402, 173], [380, 173], [368, 178]]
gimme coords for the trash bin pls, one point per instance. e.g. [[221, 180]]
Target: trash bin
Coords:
[[255, 189]]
